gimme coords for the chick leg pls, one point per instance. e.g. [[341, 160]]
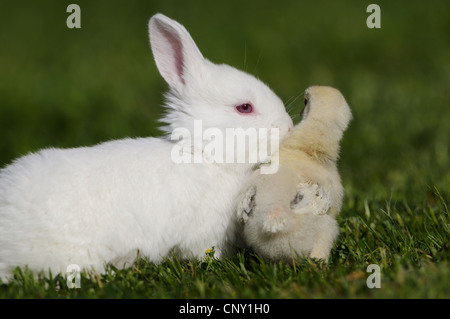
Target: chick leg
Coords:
[[324, 238]]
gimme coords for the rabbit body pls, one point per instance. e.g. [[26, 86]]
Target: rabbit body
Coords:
[[88, 206], [95, 205]]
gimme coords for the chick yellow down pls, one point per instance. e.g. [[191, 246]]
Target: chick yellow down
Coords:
[[293, 212]]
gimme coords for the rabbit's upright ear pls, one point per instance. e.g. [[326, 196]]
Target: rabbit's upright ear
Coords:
[[175, 53]]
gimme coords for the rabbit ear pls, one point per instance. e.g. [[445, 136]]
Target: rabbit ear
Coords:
[[176, 54]]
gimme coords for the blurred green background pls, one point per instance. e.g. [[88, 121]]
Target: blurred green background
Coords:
[[70, 87]]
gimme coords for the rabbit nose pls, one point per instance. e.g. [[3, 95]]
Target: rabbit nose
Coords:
[[282, 127]]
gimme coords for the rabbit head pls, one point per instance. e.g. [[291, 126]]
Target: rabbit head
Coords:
[[218, 95]]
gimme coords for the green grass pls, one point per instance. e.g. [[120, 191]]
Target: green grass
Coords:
[[65, 88], [411, 246]]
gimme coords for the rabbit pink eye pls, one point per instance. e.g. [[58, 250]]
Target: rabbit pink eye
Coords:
[[244, 108]]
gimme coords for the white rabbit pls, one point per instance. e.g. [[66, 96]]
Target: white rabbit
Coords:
[[95, 205], [293, 211]]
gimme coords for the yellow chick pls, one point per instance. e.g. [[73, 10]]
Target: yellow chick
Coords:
[[293, 211]]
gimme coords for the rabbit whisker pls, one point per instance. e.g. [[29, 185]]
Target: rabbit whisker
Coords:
[[290, 105]]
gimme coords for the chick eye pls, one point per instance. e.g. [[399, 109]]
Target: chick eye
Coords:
[[304, 111], [244, 108]]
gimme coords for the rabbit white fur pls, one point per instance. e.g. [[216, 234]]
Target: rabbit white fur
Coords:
[[293, 211], [95, 205]]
